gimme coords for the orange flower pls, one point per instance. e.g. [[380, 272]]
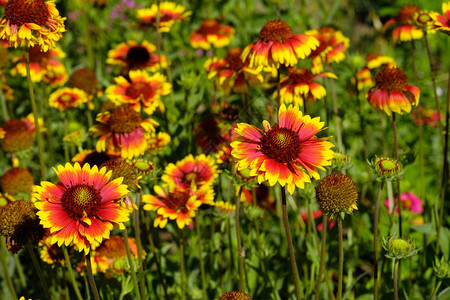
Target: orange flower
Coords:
[[392, 93], [211, 33], [288, 152], [35, 22], [232, 72], [157, 142], [123, 130], [373, 61], [442, 22], [66, 98], [169, 14], [277, 45], [83, 208], [132, 56], [140, 90], [405, 30]]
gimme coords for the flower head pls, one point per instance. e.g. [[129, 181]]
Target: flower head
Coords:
[[387, 169], [399, 248], [392, 93], [84, 79], [441, 268], [277, 45], [211, 134], [169, 14], [288, 152], [83, 207], [94, 158], [409, 202], [16, 136], [405, 30], [17, 180], [211, 34], [66, 98], [442, 22], [35, 22], [157, 142], [51, 253], [121, 168], [235, 296], [426, 116], [336, 193], [123, 131]]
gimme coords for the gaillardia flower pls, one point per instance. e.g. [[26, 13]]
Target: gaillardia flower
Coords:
[[288, 152], [299, 86], [141, 90], [16, 136], [442, 22], [211, 33], [66, 98], [83, 207], [35, 22], [235, 296], [232, 72], [392, 93], [17, 180], [277, 45], [169, 13], [405, 30], [134, 56], [123, 131]]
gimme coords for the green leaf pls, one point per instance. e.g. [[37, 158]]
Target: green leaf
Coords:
[[426, 228]]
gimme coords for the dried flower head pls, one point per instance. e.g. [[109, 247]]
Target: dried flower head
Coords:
[[121, 168], [17, 180], [84, 79], [17, 136]]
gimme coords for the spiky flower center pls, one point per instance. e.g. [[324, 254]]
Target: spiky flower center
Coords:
[[235, 296], [121, 168], [142, 166], [234, 59], [81, 201], [124, 120], [301, 75], [177, 200], [336, 193], [276, 31], [140, 90], [406, 14], [423, 18], [84, 79], [387, 166], [20, 12], [281, 144], [209, 26], [391, 79], [137, 56], [399, 246]]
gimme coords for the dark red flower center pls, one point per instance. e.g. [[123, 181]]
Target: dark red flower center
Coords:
[[301, 75], [406, 14], [281, 144], [277, 31], [124, 120], [137, 56], [140, 90], [37, 56], [234, 59], [209, 26], [177, 200], [20, 12], [81, 201], [391, 79]]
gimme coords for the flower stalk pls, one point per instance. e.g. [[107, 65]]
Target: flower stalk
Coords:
[[375, 242], [70, 271], [200, 250], [9, 283], [241, 251], [130, 262], [341, 258], [322, 256], [91, 276]]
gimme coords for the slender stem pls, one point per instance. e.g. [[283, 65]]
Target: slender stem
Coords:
[[130, 262], [341, 259], [70, 271], [436, 289], [38, 269], [182, 267], [168, 71], [322, 256], [290, 244], [375, 242], [336, 114], [23, 281], [241, 251], [399, 202], [137, 230], [433, 80], [5, 268], [35, 115], [91, 276], [3, 104], [396, 262], [202, 266], [278, 87], [230, 245], [246, 107], [87, 37]]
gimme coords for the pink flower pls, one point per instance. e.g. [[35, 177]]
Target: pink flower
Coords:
[[409, 202]]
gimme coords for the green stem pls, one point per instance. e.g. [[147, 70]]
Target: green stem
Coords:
[[130, 262], [3, 104], [336, 114], [202, 267], [290, 244], [322, 256], [35, 114], [230, 245], [137, 230], [396, 279], [278, 88], [5, 268], [91, 276], [70, 271], [399, 202], [182, 267], [168, 71], [23, 281], [241, 251], [375, 242], [38, 269], [436, 289], [341, 259], [87, 37]]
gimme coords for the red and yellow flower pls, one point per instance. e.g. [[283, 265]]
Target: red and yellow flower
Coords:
[[178, 205], [157, 142], [232, 72], [44, 66], [169, 14], [406, 30], [66, 98], [373, 61], [50, 253], [392, 93], [141, 90], [211, 134], [93, 157], [123, 131], [277, 45], [442, 22], [83, 207], [299, 86], [332, 47], [288, 152], [133, 55], [191, 173], [211, 34], [31, 22]]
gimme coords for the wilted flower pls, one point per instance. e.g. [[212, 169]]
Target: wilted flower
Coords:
[[16, 136], [17, 180], [84, 79]]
